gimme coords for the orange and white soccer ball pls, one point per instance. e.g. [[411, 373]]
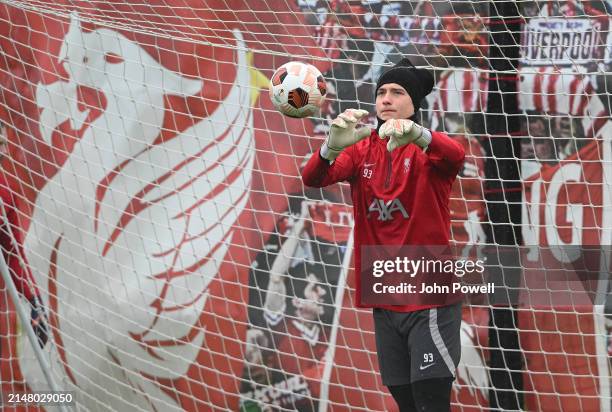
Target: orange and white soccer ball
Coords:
[[297, 89]]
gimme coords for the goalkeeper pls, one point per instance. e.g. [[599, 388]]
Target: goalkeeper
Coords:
[[401, 176]]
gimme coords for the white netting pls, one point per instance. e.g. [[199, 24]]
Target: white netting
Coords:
[[182, 262]]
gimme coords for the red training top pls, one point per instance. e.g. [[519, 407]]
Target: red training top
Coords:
[[399, 198]]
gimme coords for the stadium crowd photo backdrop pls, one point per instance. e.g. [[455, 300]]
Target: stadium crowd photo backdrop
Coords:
[[183, 264]]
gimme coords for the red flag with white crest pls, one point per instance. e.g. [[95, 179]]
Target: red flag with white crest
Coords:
[[140, 149]]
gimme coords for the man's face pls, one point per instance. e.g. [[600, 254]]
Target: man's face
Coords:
[[544, 149], [562, 127], [393, 102], [310, 307], [537, 128]]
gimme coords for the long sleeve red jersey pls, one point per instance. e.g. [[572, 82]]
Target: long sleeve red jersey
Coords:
[[399, 198], [13, 250]]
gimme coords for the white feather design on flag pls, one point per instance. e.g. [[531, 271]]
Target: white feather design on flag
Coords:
[[472, 370], [133, 231]]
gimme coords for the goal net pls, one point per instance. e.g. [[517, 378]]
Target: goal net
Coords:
[[182, 263]]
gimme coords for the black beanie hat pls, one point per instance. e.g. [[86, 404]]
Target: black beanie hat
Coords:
[[417, 82]]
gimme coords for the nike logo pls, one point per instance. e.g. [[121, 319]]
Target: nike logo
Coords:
[[423, 367], [368, 164]]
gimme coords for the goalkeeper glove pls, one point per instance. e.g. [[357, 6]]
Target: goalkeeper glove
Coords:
[[404, 131], [342, 133], [38, 321]]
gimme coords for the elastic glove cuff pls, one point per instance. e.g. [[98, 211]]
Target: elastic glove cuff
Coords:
[[424, 140], [329, 153]]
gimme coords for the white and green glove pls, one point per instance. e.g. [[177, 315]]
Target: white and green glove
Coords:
[[404, 131], [343, 134]]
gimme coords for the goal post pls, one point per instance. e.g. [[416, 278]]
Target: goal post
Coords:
[[503, 195], [185, 266]]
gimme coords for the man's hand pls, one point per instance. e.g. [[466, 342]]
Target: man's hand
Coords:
[[342, 133], [257, 343], [38, 321], [404, 131]]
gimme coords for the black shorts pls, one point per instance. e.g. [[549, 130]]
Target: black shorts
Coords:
[[417, 345]]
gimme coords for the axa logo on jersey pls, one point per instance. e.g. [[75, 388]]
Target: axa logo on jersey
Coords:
[[385, 209]]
